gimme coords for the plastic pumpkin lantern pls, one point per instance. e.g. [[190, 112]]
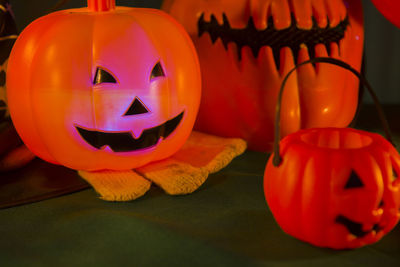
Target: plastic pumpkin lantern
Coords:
[[104, 87], [246, 48], [334, 187]]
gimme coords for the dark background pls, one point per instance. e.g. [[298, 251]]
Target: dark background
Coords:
[[382, 40]]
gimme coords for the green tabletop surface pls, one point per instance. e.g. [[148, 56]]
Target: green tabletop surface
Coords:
[[225, 223]]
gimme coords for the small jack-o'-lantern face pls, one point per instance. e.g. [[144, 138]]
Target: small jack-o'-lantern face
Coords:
[[366, 204], [335, 188], [247, 47], [114, 89], [126, 141]]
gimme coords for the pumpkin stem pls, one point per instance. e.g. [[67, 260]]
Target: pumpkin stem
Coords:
[[101, 5], [277, 159]]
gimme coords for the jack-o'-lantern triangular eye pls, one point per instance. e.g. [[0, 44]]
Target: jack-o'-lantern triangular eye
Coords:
[[157, 71], [354, 181], [103, 76]]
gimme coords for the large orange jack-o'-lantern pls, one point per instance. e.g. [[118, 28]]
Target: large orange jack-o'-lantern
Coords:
[[104, 87], [247, 46]]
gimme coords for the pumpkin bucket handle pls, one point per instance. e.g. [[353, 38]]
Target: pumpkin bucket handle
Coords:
[[277, 157]]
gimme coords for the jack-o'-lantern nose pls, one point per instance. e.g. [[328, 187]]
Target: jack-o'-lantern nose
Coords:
[[137, 107]]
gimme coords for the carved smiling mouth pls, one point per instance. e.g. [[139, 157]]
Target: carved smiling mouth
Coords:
[[354, 227], [125, 142], [254, 38]]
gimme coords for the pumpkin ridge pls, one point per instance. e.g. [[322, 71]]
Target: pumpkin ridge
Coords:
[[44, 147], [289, 212], [312, 196]]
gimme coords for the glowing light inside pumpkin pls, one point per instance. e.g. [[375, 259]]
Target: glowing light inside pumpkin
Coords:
[[336, 139]]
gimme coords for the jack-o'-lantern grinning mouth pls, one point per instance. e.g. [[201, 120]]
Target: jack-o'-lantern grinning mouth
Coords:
[[291, 37], [125, 142], [356, 228]]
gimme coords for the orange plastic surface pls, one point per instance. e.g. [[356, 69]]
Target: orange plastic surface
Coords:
[[53, 86], [333, 177], [239, 95]]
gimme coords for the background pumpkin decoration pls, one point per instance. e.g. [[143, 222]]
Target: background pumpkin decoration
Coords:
[[334, 187], [124, 91], [247, 47]]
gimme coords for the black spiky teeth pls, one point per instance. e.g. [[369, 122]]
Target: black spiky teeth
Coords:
[[292, 37]]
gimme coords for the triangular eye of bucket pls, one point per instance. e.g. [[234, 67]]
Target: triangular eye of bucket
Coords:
[[354, 181], [395, 175], [136, 108]]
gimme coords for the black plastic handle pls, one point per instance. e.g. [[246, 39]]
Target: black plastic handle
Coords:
[[277, 159]]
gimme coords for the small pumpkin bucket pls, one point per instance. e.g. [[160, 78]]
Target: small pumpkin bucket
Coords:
[[334, 187]]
